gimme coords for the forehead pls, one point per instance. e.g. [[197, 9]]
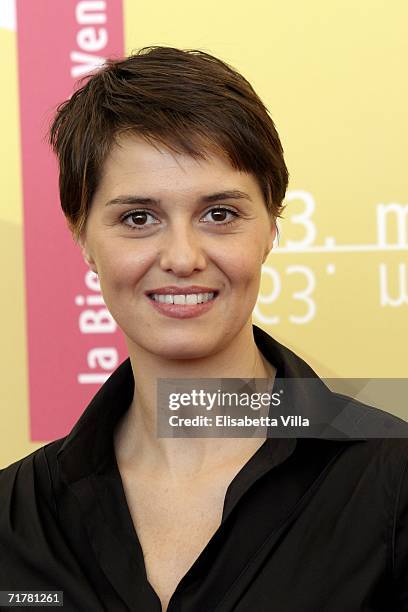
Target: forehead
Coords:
[[135, 162]]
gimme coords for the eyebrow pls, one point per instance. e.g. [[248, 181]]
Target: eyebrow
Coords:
[[232, 194]]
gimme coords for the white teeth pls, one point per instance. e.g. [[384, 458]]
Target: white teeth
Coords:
[[191, 298]]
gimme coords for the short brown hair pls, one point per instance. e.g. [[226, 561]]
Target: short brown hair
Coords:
[[187, 100]]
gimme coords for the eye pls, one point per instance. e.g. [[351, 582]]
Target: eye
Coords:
[[138, 217], [219, 215]]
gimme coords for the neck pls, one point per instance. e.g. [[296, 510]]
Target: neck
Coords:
[[137, 446]]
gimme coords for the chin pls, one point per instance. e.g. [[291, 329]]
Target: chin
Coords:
[[182, 352], [179, 346]]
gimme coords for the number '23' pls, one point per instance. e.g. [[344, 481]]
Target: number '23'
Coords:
[[303, 295]]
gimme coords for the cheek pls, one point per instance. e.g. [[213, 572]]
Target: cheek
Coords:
[[245, 266], [121, 280], [124, 266]]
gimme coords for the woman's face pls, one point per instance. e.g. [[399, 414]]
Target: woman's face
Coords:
[[154, 223]]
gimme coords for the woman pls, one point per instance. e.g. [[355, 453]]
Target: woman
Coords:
[[171, 178]]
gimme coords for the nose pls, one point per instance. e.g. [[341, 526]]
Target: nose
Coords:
[[181, 251]]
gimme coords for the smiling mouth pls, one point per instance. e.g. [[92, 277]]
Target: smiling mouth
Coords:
[[191, 299]]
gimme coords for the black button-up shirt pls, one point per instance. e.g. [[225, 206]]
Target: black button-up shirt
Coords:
[[308, 524]]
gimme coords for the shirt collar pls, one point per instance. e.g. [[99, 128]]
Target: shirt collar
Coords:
[[88, 446]]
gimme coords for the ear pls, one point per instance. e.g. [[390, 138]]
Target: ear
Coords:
[[89, 260], [271, 238]]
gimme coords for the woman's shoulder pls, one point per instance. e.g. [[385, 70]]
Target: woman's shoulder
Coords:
[[27, 511], [389, 454], [34, 458], [28, 479]]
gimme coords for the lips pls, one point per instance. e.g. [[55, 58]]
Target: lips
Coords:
[[174, 290], [189, 299], [181, 310]]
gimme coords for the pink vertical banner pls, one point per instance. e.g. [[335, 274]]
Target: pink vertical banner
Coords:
[[73, 342]]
